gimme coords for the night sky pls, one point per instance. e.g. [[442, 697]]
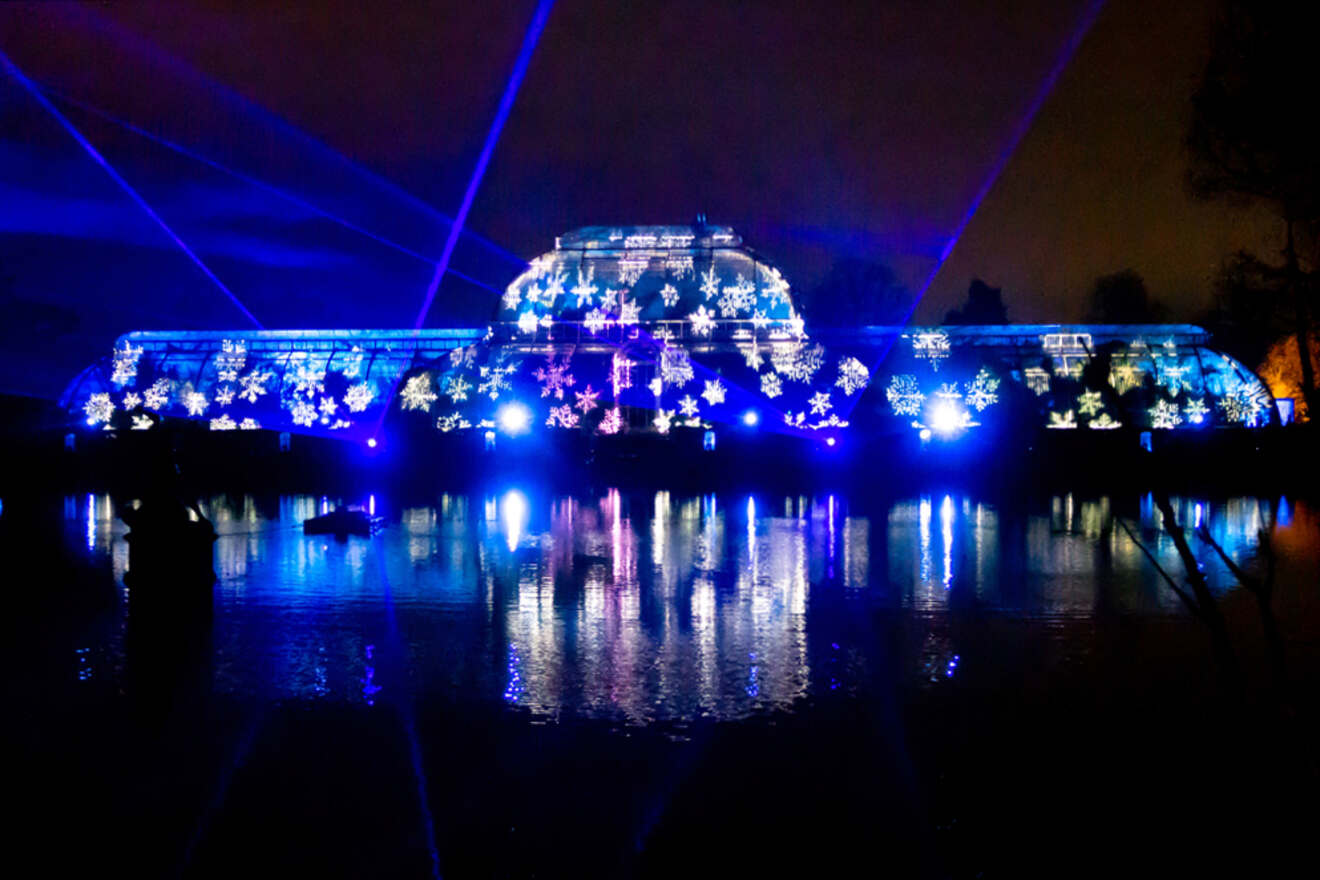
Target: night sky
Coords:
[[818, 131]]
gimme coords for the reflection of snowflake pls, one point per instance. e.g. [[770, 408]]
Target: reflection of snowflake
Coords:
[[194, 401], [905, 397], [1103, 422], [931, 346], [675, 367], [562, 416], [223, 423], [1090, 404], [595, 320], [158, 394], [853, 375], [664, 420], [1195, 410], [714, 392], [585, 290], [126, 364], [254, 385], [771, 385], [358, 397], [554, 377], [612, 422], [586, 400], [981, 390], [710, 284], [669, 294], [303, 413], [688, 406], [819, 403], [1063, 420], [702, 321], [1164, 415], [99, 407], [417, 393], [737, 297]]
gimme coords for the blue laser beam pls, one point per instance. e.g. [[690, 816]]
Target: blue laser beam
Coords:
[[259, 184], [492, 136], [68, 126]]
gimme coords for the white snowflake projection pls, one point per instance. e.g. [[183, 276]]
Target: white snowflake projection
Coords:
[[612, 423], [656, 386], [417, 393], [142, 422], [231, 360], [223, 423], [358, 397], [664, 420], [932, 347], [306, 379], [585, 290], [193, 401], [759, 320], [703, 321], [586, 400], [688, 406], [132, 400], [595, 320], [675, 367], [448, 423], [853, 375], [562, 417], [1103, 422], [125, 364], [158, 395], [554, 286], [329, 406], [533, 293], [1240, 406], [797, 361], [620, 373], [983, 390], [493, 380], [1125, 377], [795, 325], [1090, 403], [710, 283], [819, 403], [224, 395], [751, 353], [1195, 410], [1037, 380], [463, 357], [632, 268], [775, 287], [1064, 420], [1174, 378], [905, 396], [796, 421], [554, 377], [249, 425], [304, 414], [669, 295], [253, 385], [1164, 415], [99, 408], [833, 422], [679, 267], [352, 363], [527, 322], [771, 385], [737, 297], [339, 424], [512, 298], [629, 313], [714, 392]]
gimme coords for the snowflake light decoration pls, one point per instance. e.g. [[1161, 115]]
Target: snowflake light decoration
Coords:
[[797, 361], [417, 393], [132, 400], [99, 408], [1164, 415], [1064, 420], [710, 284], [125, 364], [775, 287], [819, 403], [1103, 422], [669, 295], [142, 422], [585, 290], [656, 386], [982, 390], [771, 385], [554, 377], [675, 367], [688, 405], [491, 381], [703, 321], [158, 395], [632, 268], [737, 297], [714, 392], [512, 297], [223, 423], [253, 385], [751, 353], [224, 395], [1195, 410], [932, 347], [1125, 377], [445, 424], [231, 360], [905, 396], [853, 375], [759, 319], [612, 423], [562, 416], [629, 313], [463, 357], [595, 321], [1090, 403], [306, 379], [304, 414], [358, 397], [554, 286], [527, 322], [194, 401], [329, 406], [249, 425], [664, 420], [586, 400]]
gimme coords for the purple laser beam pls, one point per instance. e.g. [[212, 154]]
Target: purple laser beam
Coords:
[[124, 184]]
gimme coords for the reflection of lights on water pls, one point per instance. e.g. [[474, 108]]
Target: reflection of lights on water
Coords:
[[514, 505], [1197, 521], [371, 505], [369, 686], [91, 524], [514, 689], [946, 533]]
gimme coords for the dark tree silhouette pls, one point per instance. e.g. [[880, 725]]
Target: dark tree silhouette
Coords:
[[1250, 138], [857, 292], [1122, 298], [985, 305]]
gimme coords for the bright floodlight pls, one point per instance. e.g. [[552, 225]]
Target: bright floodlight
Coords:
[[945, 419], [750, 418], [829, 441], [371, 441], [514, 418]]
